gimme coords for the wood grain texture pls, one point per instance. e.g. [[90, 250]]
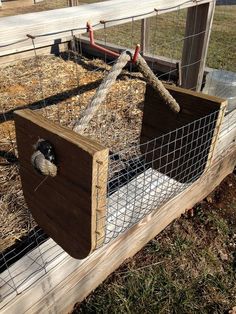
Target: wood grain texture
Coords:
[[59, 23], [197, 34], [145, 36], [227, 135], [180, 145], [65, 206]]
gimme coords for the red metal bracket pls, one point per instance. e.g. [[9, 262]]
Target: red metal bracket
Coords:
[[136, 53], [105, 50]]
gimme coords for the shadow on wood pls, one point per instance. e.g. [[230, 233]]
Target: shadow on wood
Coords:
[[180, 145]]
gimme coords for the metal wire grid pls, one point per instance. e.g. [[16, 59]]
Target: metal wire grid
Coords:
[[35, 262], [129, 165], [144, 177]]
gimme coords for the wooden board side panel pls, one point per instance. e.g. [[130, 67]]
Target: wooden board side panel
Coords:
[[216, 133], [145, 36], [62, 206], [180, 145]]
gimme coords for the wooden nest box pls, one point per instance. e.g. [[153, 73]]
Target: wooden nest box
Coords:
[[72, 206]]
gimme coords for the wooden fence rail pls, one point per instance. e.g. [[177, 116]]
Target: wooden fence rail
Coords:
[[57, 26]]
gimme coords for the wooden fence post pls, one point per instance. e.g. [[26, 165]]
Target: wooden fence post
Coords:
[[72, 3], [197, 34], [37, 1], [145, 36]]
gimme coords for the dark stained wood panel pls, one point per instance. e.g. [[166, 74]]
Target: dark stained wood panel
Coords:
[[180, 145], [67, 206]]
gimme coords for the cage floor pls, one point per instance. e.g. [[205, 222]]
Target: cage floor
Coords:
[[136, 199]]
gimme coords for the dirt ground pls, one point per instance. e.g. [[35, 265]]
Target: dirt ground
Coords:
[[14, 7], [26, 6]]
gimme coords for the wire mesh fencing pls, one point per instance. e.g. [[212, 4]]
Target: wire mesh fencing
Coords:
[[146, 176]]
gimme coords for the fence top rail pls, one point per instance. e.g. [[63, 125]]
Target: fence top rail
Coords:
[[60, 22]]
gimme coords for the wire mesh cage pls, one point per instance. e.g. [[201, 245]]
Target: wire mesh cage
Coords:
[[83, 204], [140, 137], [145, 176]]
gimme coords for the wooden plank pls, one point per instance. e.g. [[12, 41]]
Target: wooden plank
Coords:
[[57, 24], [184, 153], [197, 34], [73, 280], [29, 269], [227, 135], [66, 206]]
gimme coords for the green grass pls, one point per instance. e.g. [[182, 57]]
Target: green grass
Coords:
[[167, 34], [222, 51]]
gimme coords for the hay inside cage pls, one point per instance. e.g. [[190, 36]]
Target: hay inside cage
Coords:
[[33, 84]]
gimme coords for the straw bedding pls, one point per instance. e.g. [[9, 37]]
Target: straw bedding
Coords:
[[59, 89]]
